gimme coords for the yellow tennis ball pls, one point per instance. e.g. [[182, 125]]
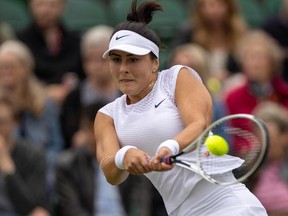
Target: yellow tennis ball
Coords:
[[217, 145]]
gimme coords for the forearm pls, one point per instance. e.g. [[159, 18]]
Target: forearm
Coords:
[[112, 173]]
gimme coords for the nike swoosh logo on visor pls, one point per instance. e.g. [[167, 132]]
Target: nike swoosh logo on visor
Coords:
[[157, 105], [119, 37]]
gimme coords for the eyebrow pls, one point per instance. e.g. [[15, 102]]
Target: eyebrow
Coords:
[[120, 55]]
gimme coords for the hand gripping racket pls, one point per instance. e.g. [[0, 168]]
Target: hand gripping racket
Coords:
[[248, 141]]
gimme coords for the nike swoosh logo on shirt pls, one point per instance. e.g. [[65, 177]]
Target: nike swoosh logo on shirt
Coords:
[[157, 105], [119, 37]]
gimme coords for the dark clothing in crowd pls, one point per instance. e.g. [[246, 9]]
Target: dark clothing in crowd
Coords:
[[26, 188], [278, 29], [75, 183], [51, 66]]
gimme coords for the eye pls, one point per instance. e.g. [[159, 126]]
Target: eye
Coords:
[[116, 59], [133, 59]]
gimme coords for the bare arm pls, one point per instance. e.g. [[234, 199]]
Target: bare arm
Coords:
[[107, 145], [195, 107]]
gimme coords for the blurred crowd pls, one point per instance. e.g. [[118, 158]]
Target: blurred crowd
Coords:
[[53, 80]]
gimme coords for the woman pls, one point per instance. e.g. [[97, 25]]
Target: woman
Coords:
[[261, 61], [159, 114], [38, 115]]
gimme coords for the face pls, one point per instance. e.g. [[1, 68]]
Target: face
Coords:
[[7, 122], [46, 12], [133, 74], [12, 70], [257, 63], [213, 11], [96, 68]]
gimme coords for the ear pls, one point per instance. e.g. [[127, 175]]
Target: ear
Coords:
[[156, 65]]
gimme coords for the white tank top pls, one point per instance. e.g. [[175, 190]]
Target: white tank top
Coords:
[[148, 123]]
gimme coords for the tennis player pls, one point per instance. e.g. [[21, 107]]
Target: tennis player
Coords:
[[159, 114]]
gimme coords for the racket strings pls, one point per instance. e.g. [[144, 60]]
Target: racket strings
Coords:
[[245, 142]]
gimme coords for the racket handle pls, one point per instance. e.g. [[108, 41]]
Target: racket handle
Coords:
[[166, 159]]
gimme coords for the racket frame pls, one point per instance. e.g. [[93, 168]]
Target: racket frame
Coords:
[[201, 139]]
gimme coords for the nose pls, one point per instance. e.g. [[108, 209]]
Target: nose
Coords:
[[123, 67]]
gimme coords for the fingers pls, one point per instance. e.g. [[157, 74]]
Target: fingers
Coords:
[[156, 165], [135, 162]]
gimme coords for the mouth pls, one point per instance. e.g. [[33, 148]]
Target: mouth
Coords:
[[125, 80]]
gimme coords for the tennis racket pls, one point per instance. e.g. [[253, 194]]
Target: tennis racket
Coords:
[[248, 141]]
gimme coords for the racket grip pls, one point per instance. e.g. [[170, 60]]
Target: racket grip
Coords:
[[167, 160]]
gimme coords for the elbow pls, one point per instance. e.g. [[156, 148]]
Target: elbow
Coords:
[[203, 124], [117, 179]]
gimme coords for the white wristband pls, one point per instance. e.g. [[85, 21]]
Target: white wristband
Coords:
[[119, 157], [173, 145]]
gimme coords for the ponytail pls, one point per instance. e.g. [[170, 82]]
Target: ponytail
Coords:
[[138, 19]]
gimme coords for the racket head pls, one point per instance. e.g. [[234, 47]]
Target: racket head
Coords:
[[247, 137]]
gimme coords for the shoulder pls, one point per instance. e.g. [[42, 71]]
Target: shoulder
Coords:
[[109, 108], [174, 71]]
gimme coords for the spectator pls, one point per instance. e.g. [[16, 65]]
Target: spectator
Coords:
[[39, 116], [217, 26], [56, 50], [194, 56], [98, 84], [277, 27], [22, 170], [260, 58], [272, 185], [81, 187]]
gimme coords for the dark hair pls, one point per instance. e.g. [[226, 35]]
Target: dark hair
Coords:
[[138, 18]]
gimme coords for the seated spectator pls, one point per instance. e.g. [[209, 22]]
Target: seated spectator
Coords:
[[55, 49], [81, 187], [39, 116], [217, 26], [98, 84], [261, 59], [195, 56], [271, 186], [22, 170], [277, 27]]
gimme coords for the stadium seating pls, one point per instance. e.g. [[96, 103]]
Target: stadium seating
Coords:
[[80, 15], [15, 13]]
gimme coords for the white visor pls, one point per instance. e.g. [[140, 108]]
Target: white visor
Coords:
[[131, 42]]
